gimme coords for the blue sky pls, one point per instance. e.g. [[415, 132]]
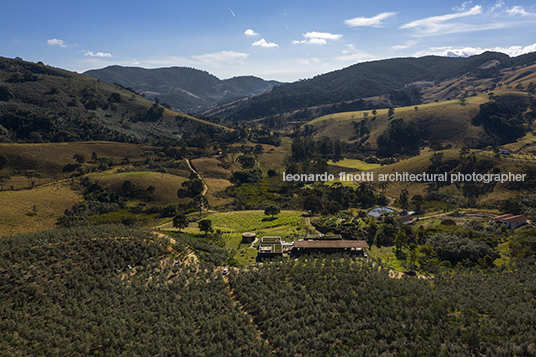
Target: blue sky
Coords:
[[283, 40]]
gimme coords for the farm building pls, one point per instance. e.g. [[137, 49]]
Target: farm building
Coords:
[[272, 246], [323, 237], [515, 221], [406, 220], [501, 218], [329, 246]]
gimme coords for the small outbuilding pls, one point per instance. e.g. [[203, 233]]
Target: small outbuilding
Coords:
[[248, 237]]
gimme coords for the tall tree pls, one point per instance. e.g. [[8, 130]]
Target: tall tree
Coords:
[[180, 221]]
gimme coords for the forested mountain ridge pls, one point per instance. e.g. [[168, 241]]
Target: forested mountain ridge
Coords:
[[369, 79], [185, 89], [39, 103]]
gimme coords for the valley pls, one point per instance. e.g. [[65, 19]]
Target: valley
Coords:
[[106, 195]]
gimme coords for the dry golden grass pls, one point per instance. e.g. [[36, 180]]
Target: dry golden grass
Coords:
[[448, 122], [50, 202], [166, 185], [215, 186], [50, 158], [210, 167]]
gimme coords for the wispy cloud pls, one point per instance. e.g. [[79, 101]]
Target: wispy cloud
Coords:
[[263, 43], [318, 38], [232, 12], [462, 7], [436, 25], [228, 57], [97, 54], [56, 42], [498, 4], [471, 51], [250, 32], [375, 21]]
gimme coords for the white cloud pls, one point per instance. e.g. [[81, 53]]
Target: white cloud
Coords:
[[369, 21], [323, 35], [56, 42], [263, 43], [435, 25], [98, 54], [471, 51], [518, 10], [318, 38], [222, 57], [250, 32]]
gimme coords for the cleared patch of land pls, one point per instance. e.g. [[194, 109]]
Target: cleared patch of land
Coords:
[[35, 210]]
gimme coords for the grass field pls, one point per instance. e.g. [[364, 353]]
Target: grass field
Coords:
[[166, 185], [17, 208], [353, 164], [233, 224], [50, 158], [448, 121]]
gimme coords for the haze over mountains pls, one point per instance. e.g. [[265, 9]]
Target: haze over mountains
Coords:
[[184, 89]]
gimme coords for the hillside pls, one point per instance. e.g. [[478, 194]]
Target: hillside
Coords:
[[392, 78], [185, 89], [39, 103]]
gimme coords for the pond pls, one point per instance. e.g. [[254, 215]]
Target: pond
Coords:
[[376, 212]]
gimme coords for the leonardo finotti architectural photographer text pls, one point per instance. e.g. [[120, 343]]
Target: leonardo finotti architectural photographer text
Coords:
[[406, 177]]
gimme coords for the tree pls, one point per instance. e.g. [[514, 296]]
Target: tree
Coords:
[[79, 158], [436, 145], [29, 175], [3, 161], [193, 187], [374, 112], [246, 161], [201, 202], [180, 221], [417, 201], [272, 210], [403, 199], [391, 112], [312, 203], [205, 225], [3, 179]]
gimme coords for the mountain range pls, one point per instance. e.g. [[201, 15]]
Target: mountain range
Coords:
[[348, 86], [184, 89]]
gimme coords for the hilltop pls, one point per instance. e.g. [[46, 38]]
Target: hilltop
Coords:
[[185, 89]]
